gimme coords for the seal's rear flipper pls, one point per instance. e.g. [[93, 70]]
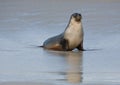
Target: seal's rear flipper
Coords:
[[41, 46]]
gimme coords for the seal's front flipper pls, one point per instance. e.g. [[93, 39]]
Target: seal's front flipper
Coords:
[[64, 44], [80, 47]]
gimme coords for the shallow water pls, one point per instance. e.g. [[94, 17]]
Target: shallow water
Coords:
[[24, 25]]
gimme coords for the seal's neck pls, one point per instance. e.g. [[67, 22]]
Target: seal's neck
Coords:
[[75, 25]]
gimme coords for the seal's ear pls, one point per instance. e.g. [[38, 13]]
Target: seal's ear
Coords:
[[64, 44]]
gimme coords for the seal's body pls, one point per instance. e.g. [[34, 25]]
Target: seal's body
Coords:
[[70, 39]]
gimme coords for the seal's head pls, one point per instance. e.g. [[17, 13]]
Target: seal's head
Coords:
[[76, 17]]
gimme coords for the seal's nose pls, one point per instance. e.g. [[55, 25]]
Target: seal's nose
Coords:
[[78, 17]]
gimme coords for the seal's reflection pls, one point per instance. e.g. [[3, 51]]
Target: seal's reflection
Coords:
[[74, 73], [74, 67]]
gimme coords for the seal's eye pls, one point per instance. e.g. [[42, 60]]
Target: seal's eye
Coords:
[[75, 14], [80, 15]]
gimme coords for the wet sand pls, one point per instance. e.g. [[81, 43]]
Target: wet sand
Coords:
[[24, 25]]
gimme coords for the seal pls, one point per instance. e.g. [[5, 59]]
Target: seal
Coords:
[[70, 39]]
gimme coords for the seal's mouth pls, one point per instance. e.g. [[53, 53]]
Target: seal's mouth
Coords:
[[77, 17]]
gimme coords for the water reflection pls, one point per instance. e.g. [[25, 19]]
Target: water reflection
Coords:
[[73, 74]]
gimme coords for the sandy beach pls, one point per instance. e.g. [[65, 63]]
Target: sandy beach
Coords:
[[25, 24]]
